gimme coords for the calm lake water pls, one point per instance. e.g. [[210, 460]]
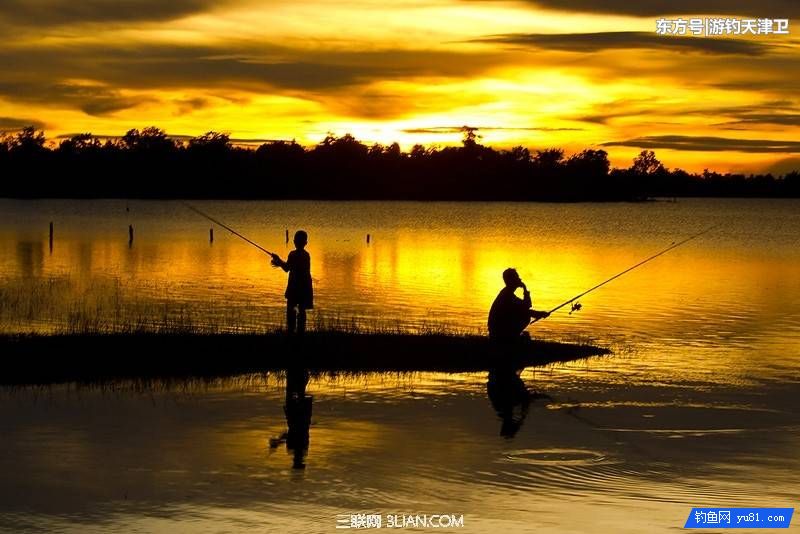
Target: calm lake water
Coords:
[[697, 406]]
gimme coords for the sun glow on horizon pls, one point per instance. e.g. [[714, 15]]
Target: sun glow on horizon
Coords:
[[410, 73]]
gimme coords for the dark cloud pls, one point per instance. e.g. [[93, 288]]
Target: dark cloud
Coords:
[[188, 105], [343, 80], [771, 75], [40, 13], [92, 100], [750, 119], [603, 118], [184, 138], [599, 41], [638, 107], [287, 68], [782, 112], [708, 144], [33, 73], [652, 8], [617, 109], [775, 79], [159, 66], [459, 129], [13, 124]]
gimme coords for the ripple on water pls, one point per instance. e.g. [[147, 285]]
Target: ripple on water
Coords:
[[587, 473], [554, 456], [637, 462]]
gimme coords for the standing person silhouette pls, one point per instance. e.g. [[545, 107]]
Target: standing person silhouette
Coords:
[[299, 293]]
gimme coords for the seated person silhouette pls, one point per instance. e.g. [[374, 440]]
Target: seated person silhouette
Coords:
[[510, 398], [509, 314]]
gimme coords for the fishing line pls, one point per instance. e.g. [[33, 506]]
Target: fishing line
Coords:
[[577, 306], [228, 228]]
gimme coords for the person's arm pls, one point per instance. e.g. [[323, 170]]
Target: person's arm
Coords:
[[536, 314], [526, 298], [278, 262]]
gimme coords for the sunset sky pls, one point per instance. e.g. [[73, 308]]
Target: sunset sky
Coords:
[[540, 73]]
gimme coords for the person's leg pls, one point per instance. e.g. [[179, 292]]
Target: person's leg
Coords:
[[291, 318], [301, 320]]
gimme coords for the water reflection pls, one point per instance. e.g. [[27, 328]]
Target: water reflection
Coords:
[[510, 398], [297, 409], [30, 258], [193, 457], [430, 263], [84, 255]]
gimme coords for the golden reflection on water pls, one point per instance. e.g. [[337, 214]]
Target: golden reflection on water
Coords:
[[415, 270], [196, 456], [696, 407], [733, 293]]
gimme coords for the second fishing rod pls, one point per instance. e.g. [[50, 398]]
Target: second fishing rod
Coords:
[[672, 246]]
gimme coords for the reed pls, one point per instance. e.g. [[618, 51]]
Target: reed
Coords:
[[61, 305]]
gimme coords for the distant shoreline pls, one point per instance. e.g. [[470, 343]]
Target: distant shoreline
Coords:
[[148, 164]]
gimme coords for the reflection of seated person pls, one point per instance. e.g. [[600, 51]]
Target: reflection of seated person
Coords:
[[510, 398], [298, 417], [509, 314]]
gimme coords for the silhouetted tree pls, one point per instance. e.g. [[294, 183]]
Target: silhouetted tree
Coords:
[[79, 143], [792, 184], [548, 168], [393, 152], [646, 163], [210, 142], [150, 139], [520, 154], [471, 136], [549, 158], [149, 164], [593, 162], [27, 142], [419, 152]]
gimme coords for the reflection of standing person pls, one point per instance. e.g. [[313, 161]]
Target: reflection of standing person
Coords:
[[299, 292], [298, 417], [509, 314]]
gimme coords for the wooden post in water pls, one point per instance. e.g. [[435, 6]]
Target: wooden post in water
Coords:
[[211, 235], [367, 239], [287, 236], [51, 237], [130, 235]]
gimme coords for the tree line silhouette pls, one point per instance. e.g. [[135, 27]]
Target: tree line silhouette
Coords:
[[149, 164]]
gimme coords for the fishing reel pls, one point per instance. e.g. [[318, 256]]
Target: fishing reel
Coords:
[[576, 307]]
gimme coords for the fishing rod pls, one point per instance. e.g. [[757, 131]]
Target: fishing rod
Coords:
[[228, 228], [577, 306]]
